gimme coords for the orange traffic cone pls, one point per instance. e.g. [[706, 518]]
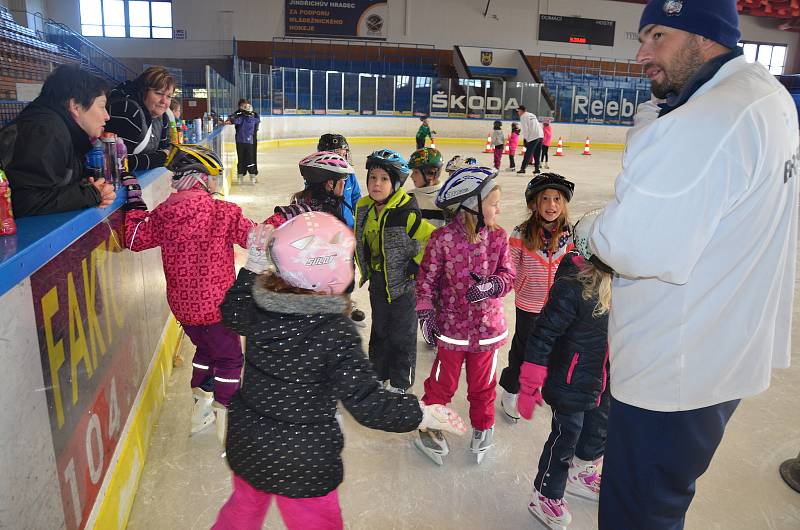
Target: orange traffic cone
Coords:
[[560, 147], [587, 147], [433, 145], [488, 148], [505, 147]]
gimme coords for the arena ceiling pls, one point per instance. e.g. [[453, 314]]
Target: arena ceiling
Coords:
[[785, 12]]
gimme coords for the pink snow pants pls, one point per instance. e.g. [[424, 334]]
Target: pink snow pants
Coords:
[[247, 508], [481, 382]]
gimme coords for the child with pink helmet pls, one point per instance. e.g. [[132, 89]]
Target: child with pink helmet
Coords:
[[303, 355]]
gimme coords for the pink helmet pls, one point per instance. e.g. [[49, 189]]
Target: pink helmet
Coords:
[[314, 251]]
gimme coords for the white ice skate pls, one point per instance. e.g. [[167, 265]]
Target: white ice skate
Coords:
[[433, 444], [553, 513], [481, 442], [583, 478], [221, 415], [202, 413], [240, 179], [253, 179], [508, 402], [394, 389]]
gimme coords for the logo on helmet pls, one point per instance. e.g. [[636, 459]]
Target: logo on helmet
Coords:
[[320, 260], [673, 7]]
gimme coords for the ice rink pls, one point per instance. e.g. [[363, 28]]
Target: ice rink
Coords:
[[391, 485]]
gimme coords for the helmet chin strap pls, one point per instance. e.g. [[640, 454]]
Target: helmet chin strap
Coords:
[[479, 213]]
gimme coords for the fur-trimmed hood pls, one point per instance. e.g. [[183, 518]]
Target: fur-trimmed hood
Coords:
[[298, 304]]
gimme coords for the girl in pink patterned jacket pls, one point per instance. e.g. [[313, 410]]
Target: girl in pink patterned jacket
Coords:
[[196, 234], [465, 273]]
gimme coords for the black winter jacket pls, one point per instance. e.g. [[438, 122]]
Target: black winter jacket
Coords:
[[46, 171], [303, 354], [571, 343], [131, 121]]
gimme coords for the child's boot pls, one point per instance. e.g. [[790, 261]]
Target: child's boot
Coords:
[[508, 402], [433, 444], [221, 415], [202, 413], [553, 513], [583, 478], [482, 441]]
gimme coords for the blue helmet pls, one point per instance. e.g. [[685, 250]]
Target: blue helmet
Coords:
[[393, 163]]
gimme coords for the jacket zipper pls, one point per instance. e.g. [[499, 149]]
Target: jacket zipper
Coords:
[[572, 367], [605, 377]]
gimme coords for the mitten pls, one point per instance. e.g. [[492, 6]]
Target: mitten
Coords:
[[134, 200], [531, 380], [258, 259], [485, 287], [441, 418], [427, 324]]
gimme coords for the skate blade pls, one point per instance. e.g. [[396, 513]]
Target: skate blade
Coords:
[[545, 521], [203, 426], [511, 419], [437, 458], [575, 492]]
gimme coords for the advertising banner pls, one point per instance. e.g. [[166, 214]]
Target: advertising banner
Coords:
[[360, 19], [95, 348]]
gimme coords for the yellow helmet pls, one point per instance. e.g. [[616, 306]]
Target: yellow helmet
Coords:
[[192, 157]]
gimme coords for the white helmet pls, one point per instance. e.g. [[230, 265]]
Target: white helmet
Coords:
[[581, 237], [453, 164], [323, 166], [466, 189]]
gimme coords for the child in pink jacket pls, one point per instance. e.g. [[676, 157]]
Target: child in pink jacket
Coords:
[[513, 142], [462, 279], [196, 234], [547, 139]]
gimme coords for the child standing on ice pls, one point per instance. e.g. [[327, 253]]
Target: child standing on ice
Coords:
[[303, 355], [463, 277], [537, 247], [566, 363], [196, 234]]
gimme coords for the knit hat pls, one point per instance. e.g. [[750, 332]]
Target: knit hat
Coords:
[[714, 19]]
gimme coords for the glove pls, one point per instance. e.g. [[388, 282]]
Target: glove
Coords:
[[441, 418], [531, 380], [134, 200], [258, 259], [427, 324], [485, 287]]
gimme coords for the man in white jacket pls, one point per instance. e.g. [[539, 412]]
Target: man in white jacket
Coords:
[[702, 234], [532, 134]]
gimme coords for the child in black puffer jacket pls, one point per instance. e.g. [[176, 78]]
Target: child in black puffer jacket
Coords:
[[303, 355], [566, 363]]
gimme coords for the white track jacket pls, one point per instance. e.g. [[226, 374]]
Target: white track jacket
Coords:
[[703, 233]]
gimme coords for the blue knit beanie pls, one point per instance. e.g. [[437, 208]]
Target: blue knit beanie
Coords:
[[714, 19]]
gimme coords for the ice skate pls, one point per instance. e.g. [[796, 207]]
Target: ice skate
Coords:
[[221, 418], [239, 179], [253, 179], [394, 389], [433, 444], [481, 442], [553, 513], [546, 165], [583, 479], [202, 413], [508, 402]]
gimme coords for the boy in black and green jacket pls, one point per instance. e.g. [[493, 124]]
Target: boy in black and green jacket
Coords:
[[390, 241], [424, 132]]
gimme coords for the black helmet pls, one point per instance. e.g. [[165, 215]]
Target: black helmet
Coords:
[[498, 124], [331, 142], [548, 180]]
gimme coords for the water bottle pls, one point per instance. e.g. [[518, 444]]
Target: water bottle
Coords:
[[110, 164], [7, 225], [122, 157], [198, 130], [94, 158]]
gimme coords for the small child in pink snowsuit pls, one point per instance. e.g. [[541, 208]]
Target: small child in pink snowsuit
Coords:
[[547, 139], [513, 142], [196, 234], [465, 273]]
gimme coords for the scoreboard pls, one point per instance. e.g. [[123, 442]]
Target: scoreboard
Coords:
[[575, 30]]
